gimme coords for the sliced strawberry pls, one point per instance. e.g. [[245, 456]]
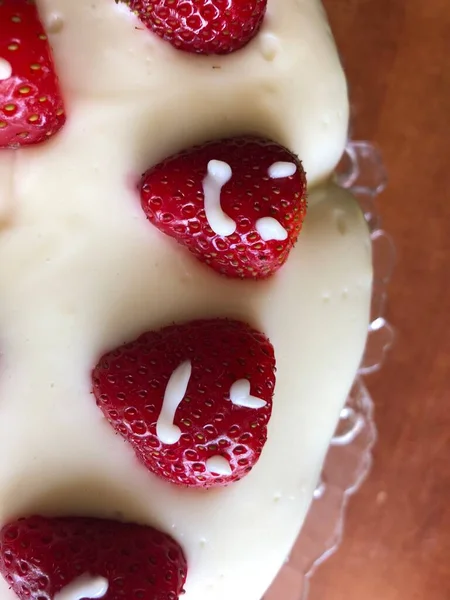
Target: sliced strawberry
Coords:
[[238, 204], [40, 557], [202, 26], [193, 400], [31, 107]]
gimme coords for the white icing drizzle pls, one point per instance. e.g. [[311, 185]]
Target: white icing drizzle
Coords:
[[240, 395], [219, 173], [271, 229], [5, 69], [218, 465], [166, 430], [85, 586], [280, 170]]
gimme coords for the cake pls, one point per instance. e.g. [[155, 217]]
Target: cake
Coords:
[[84, 270]]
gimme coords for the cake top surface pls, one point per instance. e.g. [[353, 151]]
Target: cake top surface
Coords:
[[82, 272]]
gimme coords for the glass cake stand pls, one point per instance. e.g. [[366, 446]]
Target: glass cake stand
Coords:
[[350, 455]]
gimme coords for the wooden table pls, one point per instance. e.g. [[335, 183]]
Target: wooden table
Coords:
[[397, 542]]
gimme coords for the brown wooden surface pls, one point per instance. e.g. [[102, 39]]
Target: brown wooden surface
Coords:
[[397, 542]]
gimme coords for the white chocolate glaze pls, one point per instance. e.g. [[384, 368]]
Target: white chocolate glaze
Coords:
[[271, 229], [218, 465], [5, 69], [280, 170], [82, 271], [240, 395], [166, 430], [219, 173], [85, 586]]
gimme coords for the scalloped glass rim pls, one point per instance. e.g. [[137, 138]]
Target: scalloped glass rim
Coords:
[[349, 458]]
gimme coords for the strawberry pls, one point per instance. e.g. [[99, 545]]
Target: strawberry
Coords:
[[237, 204], [31, 107], [39, 557], [193, 400], [202, 26]]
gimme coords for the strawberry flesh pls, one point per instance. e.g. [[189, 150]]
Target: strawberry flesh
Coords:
[[202, 26], [173, 199], [31, 106], [129, 385], [40, 556]]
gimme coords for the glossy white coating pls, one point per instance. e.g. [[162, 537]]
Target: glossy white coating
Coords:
[[82, 271]]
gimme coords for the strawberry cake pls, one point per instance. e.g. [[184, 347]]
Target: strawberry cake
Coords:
[[184, 292]]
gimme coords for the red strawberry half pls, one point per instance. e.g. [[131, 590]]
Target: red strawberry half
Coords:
[[31, 107], [237, 204], [39, 557], [202, 26], [193, 400]]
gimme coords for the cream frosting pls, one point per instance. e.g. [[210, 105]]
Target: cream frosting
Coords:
[[82, 271]]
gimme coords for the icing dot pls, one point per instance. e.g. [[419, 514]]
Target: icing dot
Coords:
[[240, 395], [270, 229], [85, 586], [219, 173], [280, 170], [270, 46], [5, 69], [167, 432], [55, 23], [218, 465]]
